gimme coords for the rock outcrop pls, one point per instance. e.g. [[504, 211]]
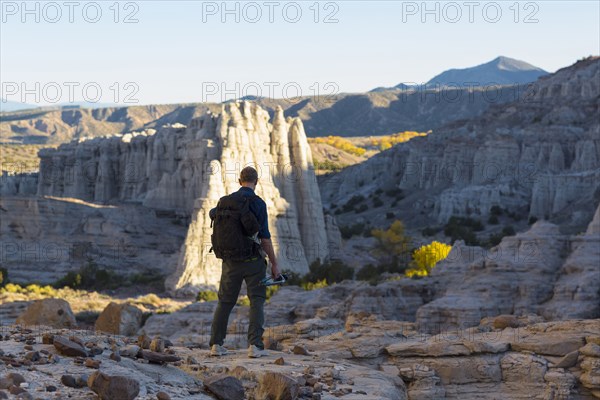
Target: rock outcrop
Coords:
[[119, 319], [540, 271], [365, 358], [534, 276], [20, 184], [575, 291], [188, 169], [538, 157], [54, 313], [44, 238]]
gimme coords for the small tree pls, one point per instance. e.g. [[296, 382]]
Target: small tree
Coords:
[[3, 276], [426, 257], [392, 243]]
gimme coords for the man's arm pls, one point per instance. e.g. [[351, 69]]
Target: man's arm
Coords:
[[267, 246]]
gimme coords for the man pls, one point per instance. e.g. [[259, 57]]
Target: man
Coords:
[[252, 271]]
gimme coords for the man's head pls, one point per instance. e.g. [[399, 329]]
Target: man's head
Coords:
[[249, 177]]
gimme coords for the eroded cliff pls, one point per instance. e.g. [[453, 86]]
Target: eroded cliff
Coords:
[[538, 156], [187, 169]]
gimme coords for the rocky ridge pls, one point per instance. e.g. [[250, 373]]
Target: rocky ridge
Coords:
[[345, 114], [537, 157], [540, 272], [366, 358]]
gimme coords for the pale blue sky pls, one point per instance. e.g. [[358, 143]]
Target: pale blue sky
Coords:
[[173, 56]]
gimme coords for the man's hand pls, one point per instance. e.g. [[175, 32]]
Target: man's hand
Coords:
[[267, 246], [275, 270]]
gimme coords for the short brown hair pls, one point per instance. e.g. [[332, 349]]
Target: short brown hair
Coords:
[[249, 175]]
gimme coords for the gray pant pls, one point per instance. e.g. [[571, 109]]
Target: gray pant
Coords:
[[232, 275]]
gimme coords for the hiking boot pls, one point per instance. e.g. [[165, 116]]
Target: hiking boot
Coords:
[[217, 350], [255, 352]]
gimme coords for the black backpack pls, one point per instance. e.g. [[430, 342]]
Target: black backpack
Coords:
[[233, 227]]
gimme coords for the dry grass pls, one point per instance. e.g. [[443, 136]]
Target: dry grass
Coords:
[[87, 301], [273, 386], [20, 158]]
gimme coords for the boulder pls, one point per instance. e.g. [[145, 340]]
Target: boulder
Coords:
[[56, 313], [159, 358], [69, 348], [505, 321], [119, 319], [113, 387], [225, 387]]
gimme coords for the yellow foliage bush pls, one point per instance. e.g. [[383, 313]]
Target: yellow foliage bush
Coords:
[[340, 143], [426, 257], [385, 142], [316, 285], [392, 241]]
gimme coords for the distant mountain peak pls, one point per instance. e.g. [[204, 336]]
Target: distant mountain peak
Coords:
[[511, 64], [500, 71]]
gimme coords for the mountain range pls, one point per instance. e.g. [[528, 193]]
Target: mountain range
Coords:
[[499, 71], [379, 112]]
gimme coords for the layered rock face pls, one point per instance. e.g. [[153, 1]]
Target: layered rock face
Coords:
[[538, 156], [45, 238], [540, 271], [188, 169], [18, 184]]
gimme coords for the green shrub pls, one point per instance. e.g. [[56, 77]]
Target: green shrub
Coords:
[[207, 295], [327, 165], [92, 277], [152, 278], [517, 217], [314, 285], [508, 231], [430, 231], [354, 201], [348, 231], [379, 191], [369, 272], [320, 275], [495, 239], [390, 215], [395, 192], [532, 220], [495, 210], [463, 228], [331, 272], [373, 273], [377, 202], [493, 219]]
